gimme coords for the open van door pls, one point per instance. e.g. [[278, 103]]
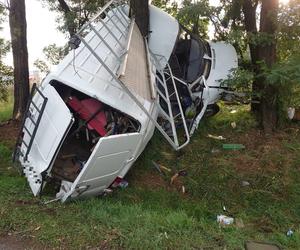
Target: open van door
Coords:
[[46, 123], [109, 157]]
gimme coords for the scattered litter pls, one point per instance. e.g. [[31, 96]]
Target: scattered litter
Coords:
[[119, 182], [107, 191], [294, 114], [233, 146], [224, 208], [289, 233], [224, 220], [123, 184], [165, 168], [216, 137], [166, 235], [233, 124], [50, 201], [179, 173], [173, 178], [183, 189], [182, 173], [233, 111], [239, 223], [157, 167], [245, 183], [215, 150], [160, 168]]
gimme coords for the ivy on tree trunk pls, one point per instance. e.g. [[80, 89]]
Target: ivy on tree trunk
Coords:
[[267, 108], [18, 30], [267, 53]]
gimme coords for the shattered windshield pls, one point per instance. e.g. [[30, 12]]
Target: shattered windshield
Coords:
[[188, 62]]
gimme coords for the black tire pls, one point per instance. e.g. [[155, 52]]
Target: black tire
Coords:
[[211, 110]]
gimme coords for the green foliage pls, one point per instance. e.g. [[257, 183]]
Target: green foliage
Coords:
[[6, 72], [240, 80], [289, 30], [167, 5], [194, 16], [42, 66], [54, 53], [6, 80], [285, 75]]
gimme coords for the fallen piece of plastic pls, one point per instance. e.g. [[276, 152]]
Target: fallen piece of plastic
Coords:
[[179, 173], [215, 150], [233, 124], [289, 233], [245, 183], [224, 220], [233, 146], [216, 137], [123, 184]]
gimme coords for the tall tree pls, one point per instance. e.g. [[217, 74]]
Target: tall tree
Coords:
[[18, 31], [257, 23], [267, 54]]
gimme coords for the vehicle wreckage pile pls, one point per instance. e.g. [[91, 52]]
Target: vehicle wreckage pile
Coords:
[[94, 114]]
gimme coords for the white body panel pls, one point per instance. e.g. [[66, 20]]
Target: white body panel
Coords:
[[55, 123], [224, 59], [110, 156], [163, 32]]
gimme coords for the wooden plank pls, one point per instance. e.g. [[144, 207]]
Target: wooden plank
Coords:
[[136, 76]]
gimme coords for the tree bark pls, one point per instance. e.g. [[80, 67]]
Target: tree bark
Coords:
[[249, 11], [267, 53], [140, 9], [18, 31]]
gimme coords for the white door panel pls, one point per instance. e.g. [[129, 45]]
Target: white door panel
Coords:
[[55, 122], [109, 157]]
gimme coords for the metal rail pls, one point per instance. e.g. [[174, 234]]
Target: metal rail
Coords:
[[27, 118], [114, 19]]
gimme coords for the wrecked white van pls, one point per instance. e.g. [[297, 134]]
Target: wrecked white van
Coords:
[[93, 116]]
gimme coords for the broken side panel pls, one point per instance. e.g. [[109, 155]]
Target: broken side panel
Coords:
[[109, 157], [94, 123]]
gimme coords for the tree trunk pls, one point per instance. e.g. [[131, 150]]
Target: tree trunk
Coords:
[[249, 11], [267, 53], [140, 9], [17, 22]]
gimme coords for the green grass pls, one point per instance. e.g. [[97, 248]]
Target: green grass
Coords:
[[6, 108], [152, 214]]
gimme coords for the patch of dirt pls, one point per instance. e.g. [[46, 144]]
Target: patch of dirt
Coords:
[[21, 203], [259, 148], [152, 180], [9, 131], [11, 242]]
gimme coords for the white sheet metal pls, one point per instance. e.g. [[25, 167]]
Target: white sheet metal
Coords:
[[55, 122], [164, 31], [110, 156]]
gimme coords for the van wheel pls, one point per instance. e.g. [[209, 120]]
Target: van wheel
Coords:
[[211, 110]]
